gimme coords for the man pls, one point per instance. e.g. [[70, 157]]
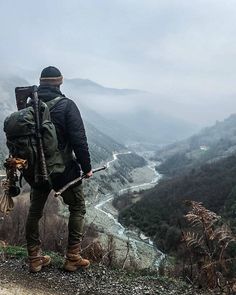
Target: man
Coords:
[[71, 141]]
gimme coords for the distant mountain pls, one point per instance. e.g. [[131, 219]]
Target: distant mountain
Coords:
[[211, 144], [155, 127], [7, 94], [7, 105], [128, 115], [101, 145], [89, 86], [110, 127], [125, 115]]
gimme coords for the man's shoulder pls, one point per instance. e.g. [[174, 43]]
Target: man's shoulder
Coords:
[[65, 104], [64, 101], [70, 104]]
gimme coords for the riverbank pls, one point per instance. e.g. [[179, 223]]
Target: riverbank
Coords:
[[139, 249]]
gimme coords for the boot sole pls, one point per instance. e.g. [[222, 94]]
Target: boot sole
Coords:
[[39, 268]]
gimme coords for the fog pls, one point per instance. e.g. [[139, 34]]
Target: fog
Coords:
[[181, 52]]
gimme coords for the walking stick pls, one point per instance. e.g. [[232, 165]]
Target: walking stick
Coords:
[[75, 181]]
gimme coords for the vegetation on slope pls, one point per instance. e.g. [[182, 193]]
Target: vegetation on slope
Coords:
[[159, 212], [211, 144]]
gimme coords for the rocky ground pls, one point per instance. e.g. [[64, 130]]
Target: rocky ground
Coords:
[[97, 280]]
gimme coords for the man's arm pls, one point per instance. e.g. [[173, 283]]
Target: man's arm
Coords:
[[77, 137]]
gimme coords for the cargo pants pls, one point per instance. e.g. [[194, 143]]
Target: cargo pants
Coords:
[[73, 197]]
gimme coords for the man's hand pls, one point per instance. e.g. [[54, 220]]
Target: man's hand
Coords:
[[89, 174]]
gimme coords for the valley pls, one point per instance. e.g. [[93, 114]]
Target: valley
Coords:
[[101, 212]]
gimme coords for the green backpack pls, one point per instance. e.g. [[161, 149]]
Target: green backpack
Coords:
[[20, 129]]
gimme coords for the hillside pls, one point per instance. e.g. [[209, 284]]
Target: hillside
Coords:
[[159, 211], [111, 127], [211, 144], [201, 168]]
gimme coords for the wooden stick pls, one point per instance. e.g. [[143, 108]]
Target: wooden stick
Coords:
[[75, 181]]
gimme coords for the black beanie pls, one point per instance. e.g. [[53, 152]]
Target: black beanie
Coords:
[[51, 76]]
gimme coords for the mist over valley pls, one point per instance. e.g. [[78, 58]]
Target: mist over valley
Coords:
[[155, 85]]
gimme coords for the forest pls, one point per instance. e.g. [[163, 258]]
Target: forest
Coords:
[[159, 212]]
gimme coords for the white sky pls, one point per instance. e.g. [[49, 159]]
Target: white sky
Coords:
[[183, 49]]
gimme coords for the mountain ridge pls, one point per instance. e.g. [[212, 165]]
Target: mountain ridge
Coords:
[[89, 85], [210, 144]]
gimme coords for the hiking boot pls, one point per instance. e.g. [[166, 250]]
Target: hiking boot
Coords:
[[36, 260], [74, 260]]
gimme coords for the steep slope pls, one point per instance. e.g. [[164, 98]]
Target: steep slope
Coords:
[[101, 146], [111, 127], [211, 144], [201, 168], [159, 211]]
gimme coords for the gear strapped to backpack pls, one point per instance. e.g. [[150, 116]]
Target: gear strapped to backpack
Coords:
[[31, 136]]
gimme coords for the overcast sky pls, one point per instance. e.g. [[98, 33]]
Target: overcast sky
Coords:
[[183, 49]]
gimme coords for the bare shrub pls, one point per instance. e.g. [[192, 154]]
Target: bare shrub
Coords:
[[93, 250], [12, 226], [206, 243], [54, 233], [109, 257], [3, 247]]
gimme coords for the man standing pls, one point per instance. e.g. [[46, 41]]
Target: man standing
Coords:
[[72, 143]]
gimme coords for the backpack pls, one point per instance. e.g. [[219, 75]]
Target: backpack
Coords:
[[20, 130]]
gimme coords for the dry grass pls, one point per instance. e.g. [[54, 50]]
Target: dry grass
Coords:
[[206, 244]]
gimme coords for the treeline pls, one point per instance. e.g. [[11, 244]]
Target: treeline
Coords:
[[159, 212]]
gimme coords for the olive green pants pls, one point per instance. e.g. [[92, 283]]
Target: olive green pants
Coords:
[[73, 197]]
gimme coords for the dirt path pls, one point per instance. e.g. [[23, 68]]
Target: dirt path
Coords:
[[12, 283], [97, 280], [14, 289]]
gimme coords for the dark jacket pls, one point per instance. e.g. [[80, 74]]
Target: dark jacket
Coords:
[[70, 129]]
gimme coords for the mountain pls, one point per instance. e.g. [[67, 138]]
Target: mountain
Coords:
[[159, 212], [89, 86], [154, 127], [211, 144], [129, 115], [110, 127], [101, 145], [201, 168], [7, 105], [126, 115]]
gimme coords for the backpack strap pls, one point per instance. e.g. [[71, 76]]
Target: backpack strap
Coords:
[[52, 103]]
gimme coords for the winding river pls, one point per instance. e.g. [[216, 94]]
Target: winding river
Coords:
[[120, 230]]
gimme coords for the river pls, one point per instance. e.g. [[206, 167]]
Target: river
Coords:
[[105, 207]]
